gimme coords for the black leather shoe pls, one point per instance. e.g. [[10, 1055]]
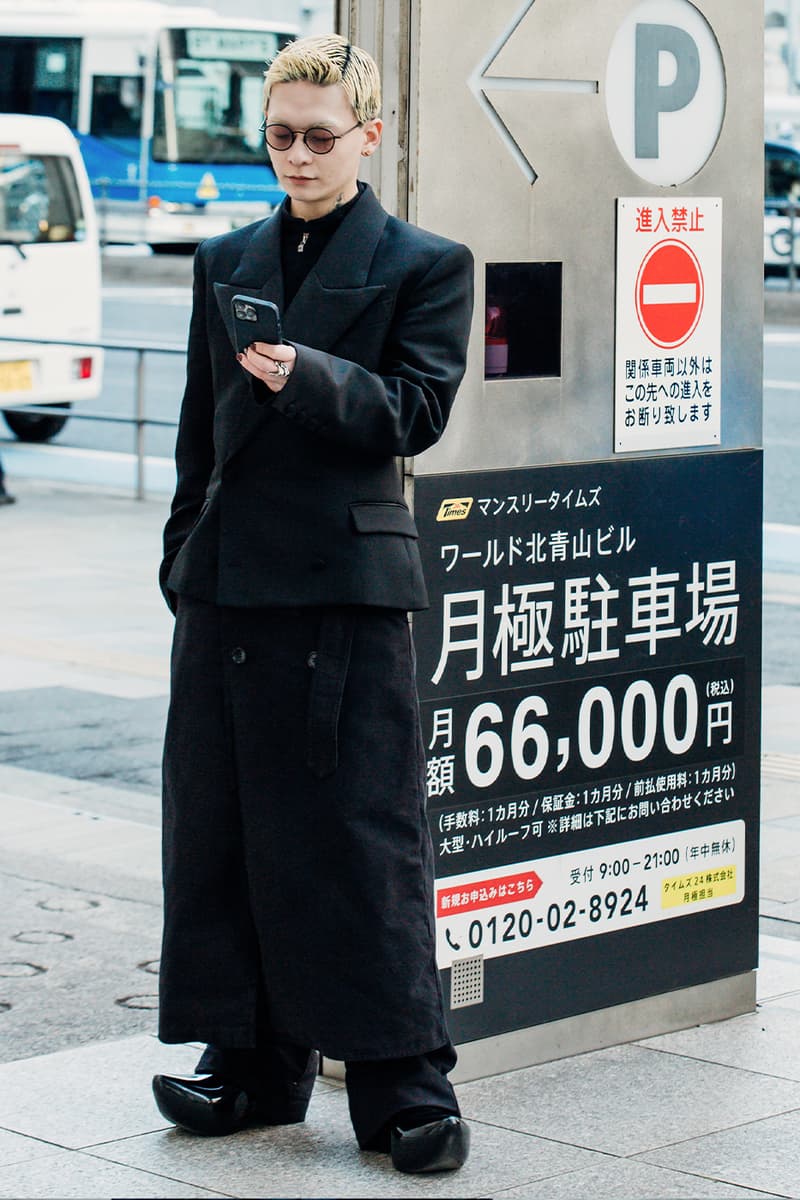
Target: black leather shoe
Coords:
[[211, 1106], [438, 1146]]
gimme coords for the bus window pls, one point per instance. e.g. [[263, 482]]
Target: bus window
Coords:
[[208, 98], [40, 76], [116, 106], [169, 102], [39, 199]]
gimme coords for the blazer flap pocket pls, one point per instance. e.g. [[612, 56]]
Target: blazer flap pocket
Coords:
[[383, 517]]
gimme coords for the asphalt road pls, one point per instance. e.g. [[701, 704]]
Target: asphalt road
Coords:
[[144, 300], [781, 425]]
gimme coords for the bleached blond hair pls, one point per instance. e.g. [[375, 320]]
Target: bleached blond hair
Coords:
[[327, 60]]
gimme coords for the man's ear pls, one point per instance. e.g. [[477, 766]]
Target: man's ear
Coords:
[[372, 136]]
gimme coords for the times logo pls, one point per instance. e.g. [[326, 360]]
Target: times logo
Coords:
[[455, 509]]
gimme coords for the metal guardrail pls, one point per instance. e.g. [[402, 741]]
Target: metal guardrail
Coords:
[[139, 419], [793, 210]]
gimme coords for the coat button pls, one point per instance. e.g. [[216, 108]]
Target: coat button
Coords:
[[312, 659], [238, 655]]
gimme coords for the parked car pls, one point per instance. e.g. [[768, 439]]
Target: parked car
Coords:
[[50, 285], [781, 197]]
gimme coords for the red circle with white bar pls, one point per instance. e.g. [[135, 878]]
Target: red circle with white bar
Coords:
[[669, 293]]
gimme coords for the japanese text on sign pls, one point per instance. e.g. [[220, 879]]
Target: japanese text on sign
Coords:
[[668, 323], [564, 703], [589, 892], [529, 626]]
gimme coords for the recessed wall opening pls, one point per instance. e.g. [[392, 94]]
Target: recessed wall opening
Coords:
[[523, 320]]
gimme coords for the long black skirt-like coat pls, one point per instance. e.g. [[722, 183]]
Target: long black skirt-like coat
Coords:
[[297, 858]]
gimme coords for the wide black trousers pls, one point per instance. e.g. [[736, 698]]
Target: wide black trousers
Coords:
[[298, 882]]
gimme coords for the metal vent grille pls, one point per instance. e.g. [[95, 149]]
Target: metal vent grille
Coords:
[[466, 982]]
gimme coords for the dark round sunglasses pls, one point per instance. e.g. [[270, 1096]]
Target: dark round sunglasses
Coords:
[[318, 140]]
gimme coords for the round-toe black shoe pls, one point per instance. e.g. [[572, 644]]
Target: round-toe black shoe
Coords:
[[212, 1107], [202, 1104], [438, 1146]]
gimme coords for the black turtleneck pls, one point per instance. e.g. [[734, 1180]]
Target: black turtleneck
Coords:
[[312, 236]]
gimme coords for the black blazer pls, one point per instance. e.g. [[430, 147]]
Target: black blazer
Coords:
[[296, 499]]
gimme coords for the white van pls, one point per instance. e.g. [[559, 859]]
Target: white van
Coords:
[[50, 285]]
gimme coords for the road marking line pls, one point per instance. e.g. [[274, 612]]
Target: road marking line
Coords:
[[146, 295], [73, 654], [781, 766], [782, 385]]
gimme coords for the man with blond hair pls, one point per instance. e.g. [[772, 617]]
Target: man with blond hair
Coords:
[[298, 880]]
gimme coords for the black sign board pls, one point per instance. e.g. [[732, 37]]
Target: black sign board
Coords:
[[589, 678]]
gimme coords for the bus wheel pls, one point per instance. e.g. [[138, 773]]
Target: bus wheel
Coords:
[[29, 427]]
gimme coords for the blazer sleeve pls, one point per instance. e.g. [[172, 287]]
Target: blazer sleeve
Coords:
[[403, 408], [194, 449]]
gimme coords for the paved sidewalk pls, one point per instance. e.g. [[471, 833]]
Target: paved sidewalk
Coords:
[[713, 1111]]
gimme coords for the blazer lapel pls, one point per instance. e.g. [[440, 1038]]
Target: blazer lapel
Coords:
[[335, 293], [331, 298], [258, 273]]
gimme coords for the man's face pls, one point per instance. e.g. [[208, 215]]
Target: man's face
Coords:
[[316, 183]]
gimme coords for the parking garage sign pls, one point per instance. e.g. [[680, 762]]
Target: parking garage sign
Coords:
[[668, 323], [588, 674]]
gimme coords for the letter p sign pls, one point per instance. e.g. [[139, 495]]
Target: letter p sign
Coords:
[[665, 90], [653, 97]]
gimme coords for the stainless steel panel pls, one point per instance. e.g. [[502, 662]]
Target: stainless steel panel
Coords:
[[607, 1027], [465, 182]]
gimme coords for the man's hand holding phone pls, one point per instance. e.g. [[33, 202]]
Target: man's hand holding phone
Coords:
[[271, 364], [259, 341]]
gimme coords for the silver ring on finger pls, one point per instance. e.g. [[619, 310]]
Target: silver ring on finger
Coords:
[[281, 368]]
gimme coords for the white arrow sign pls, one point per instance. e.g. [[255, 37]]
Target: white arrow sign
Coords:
[[664, 85], [481, 82]]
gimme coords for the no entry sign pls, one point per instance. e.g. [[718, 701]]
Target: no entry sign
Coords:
[[668, 323], [669, 293]]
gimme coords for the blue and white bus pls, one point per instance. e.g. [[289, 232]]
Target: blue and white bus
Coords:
[[165, 102]]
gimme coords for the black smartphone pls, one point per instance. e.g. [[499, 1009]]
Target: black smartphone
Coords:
[[255, 320]]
